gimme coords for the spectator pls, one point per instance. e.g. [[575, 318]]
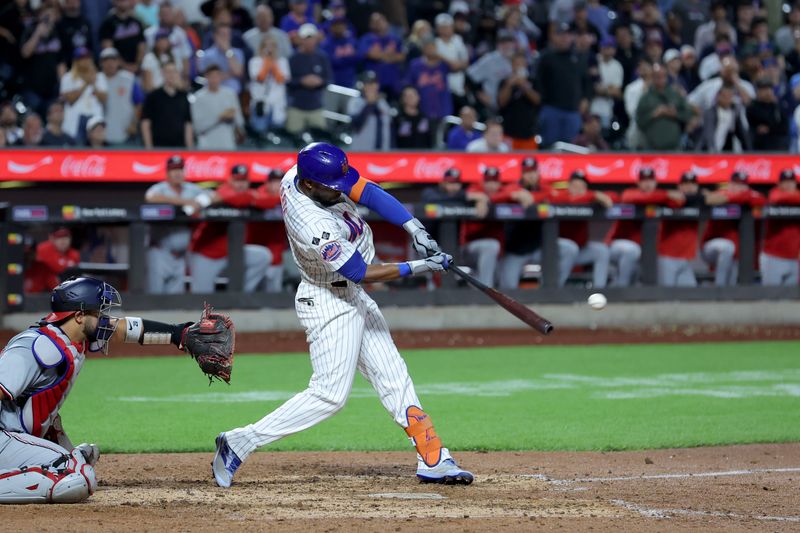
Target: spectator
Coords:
[[124, 102], [238, 15], [673, 64], [166, 257], [706, 32], [410, 128], [677, 240], [721, 237], [523, 28], [608, 87], [591, 135], [53, 257], [492, 68], [96, 133], [767, 120], [452, 50], [565, 88], [42, 61], [269, 72], [712, 63], [371, 117], [688, 77], [785, 35], [337, 10], [161, 54], [628, 54], [584, 250], [674, 30], [491, 141], [704, 96], [9, 122], [208, 256], [725, 126], [518, 105], [626, 235], [599, 16], [265, 20], [84, 93], [73, 29], [216, 115], [230, 60], [421, 31], [341, 48], [147, 12], [745, 14], [123, 31], [428, 74], [523, 239], [32, 131], [180, 46], [383, 54], [292, 21], [271, 234], [662, 114], [166, 116], [311, 73], [53, 134], [652, 26], [462, 134], [778, 259]]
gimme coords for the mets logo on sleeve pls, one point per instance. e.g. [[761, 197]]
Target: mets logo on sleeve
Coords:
[[331, 251]]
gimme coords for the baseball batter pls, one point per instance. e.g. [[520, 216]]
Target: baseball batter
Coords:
[[38, 367], [332, 246]]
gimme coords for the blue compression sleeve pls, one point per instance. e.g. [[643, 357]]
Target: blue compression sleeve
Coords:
[[354, 269], [383, 203]]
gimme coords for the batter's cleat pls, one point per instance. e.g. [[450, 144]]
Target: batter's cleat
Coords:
[[225, 462], [447, 472]]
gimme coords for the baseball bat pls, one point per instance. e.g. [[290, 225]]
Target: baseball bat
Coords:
[[530, 317]]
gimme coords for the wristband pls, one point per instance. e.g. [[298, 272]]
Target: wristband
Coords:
[[133, 331], [405, 269]]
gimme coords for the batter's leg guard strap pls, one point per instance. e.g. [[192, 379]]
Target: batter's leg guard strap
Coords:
[[420, 430]]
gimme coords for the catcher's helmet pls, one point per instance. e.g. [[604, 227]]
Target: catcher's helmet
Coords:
[[327, 165]]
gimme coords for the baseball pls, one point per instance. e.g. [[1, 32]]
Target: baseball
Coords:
[[597, 301]]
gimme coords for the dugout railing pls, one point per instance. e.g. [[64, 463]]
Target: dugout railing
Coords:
[[17, 220]]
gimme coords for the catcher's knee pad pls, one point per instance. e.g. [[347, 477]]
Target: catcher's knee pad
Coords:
[[420, 429], [68, 480]]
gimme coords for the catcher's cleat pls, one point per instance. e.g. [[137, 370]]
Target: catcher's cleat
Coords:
[[225, 462], [447, 472]]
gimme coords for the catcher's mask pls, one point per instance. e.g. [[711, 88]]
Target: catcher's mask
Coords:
[[83, 295]]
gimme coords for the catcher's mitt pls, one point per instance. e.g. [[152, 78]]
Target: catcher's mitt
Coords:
[[211, 342]]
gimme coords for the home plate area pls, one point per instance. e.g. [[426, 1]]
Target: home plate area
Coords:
[[733, 487]]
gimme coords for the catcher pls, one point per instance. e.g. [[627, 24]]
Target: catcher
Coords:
[[38, 463]]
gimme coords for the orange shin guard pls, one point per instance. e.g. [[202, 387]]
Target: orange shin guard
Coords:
[[420, 429]]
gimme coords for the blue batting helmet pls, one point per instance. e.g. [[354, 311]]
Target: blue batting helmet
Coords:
[[327, 165]]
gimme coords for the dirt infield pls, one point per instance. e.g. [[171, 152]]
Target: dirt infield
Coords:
[[731, 488]]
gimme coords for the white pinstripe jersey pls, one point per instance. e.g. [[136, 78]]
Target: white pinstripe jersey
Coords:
[[322, 239]]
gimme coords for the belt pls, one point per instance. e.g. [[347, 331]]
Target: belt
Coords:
[[339, 284]]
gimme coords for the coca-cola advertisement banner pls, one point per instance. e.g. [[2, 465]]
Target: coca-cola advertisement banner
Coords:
[[415, 167]]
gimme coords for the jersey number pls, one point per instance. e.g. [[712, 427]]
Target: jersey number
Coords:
[[356, 226]]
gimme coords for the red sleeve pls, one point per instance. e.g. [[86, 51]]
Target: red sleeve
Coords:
[[235, 199], [779, 197], [263, 200], [503, 196], [48, 255], [756, 199], [635, 196]]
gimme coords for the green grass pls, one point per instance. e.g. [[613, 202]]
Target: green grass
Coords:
[[523, 398]]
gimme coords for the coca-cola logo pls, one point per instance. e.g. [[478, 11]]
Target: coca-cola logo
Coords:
[[659, 165], [551, 168], [759, 169], [427, 168], [93, 166], [211, 167]]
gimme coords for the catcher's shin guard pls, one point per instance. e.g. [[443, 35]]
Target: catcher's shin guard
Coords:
[[420, 430], [70, 480]]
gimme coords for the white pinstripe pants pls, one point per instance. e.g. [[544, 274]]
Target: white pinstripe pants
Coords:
[[345, 331]]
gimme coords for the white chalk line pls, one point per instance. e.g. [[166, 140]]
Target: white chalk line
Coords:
[[669, 513], [408, 495], [664, 476]]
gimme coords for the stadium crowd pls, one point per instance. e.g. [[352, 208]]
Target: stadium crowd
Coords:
[[652, 74]]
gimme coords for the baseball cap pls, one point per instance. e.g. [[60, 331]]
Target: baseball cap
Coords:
[[491, 174], [211, 68], [452, 174], [529, 163], [459, 7], [563, 27], [688, 49], [93, 122], [739, 177], [80, 52], [608, 42], [647, 173], [369, 76], [787, 174], [444, 19], [60, 232], [578, 174], [174, 161], [109, 52], [275, 174], [239, 171], [671, 54], [688, 177], [307, 30]]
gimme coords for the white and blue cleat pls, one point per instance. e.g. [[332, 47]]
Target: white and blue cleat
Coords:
[[446, 472], [225, 462]]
